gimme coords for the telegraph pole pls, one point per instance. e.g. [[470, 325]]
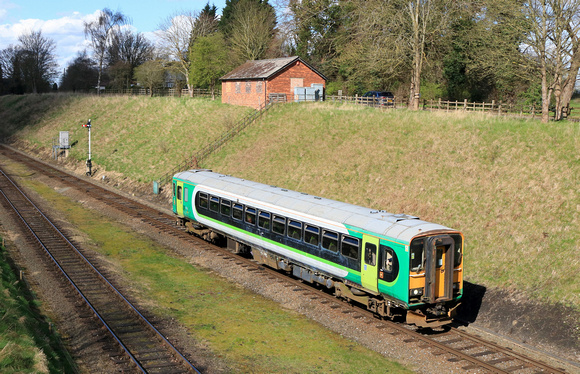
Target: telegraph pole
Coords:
[[89, 163]]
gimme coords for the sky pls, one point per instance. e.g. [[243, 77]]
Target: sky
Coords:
[[62, 20]]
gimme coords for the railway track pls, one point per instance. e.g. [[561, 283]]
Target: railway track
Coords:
[[144, 347], [470, 352]]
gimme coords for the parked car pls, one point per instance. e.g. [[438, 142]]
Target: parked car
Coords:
[[379, 98]]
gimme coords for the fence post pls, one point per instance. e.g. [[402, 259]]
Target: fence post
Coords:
[[439, 104], [464, 105]]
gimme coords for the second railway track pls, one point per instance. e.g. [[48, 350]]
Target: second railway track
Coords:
[[471, 353], [145, 349]]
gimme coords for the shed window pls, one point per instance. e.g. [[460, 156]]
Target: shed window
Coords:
[[250, 216], [279, 225], [330, 240], [259, 87], [295, 229], [311, 235], [350, 247], [248, 87], [226, 207], [203, 200], [264, 220], [237, 211], [238, 87]]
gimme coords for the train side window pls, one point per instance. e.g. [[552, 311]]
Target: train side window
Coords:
[[390, 264], [203, 200], [279, 225], [174, 188], [370, 254], [186, 195], [295, 229], [330, 240], [214, 203], [350, 247], [250, 216], [264, 220], [178, 192], [311, 235], [237, 211], [226, 207]]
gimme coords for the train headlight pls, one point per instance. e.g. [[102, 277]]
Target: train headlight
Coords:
[[415, 292]]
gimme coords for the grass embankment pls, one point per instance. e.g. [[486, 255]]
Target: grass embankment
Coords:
[[510, 185], [26, 343], [252, 334], [140, 137]]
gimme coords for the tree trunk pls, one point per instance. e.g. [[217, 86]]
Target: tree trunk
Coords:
[[568, 87]]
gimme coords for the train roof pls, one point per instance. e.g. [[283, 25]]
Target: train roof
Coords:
[[398, 226]]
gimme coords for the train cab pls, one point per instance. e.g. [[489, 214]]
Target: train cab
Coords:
[[435, 276]]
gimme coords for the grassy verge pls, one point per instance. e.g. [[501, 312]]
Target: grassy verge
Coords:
[[252, 334], [510, 185], [26, 343], [140, 137]]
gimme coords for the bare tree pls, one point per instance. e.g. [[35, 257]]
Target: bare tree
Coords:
[[175, 34], [101, 32], [127, 51], [36, 61], [252, 29]]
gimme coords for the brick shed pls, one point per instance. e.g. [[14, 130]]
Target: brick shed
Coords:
[[256, 82]]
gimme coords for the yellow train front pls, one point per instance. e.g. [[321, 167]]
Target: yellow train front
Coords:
[[393, 264]]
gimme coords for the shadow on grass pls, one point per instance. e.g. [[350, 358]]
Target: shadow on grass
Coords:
[[471, 302]]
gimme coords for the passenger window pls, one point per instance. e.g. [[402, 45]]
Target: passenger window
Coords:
[[203, 201], [350, 247], [390, 264], [279, 225], [186, 195], [295, 229], [214, 204], [250, 216], [174, 189], [264, 220], [237, 211], [370, 254], [179, 193], [330, 240], [311, 235], [226, 207]]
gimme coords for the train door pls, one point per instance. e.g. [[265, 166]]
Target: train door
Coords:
[[439, 253], [369, 267], [179, 198]]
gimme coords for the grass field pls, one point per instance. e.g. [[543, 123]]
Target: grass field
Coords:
[[26, 344], [510, 185]]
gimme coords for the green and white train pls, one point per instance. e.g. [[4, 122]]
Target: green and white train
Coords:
[[394, 264]]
